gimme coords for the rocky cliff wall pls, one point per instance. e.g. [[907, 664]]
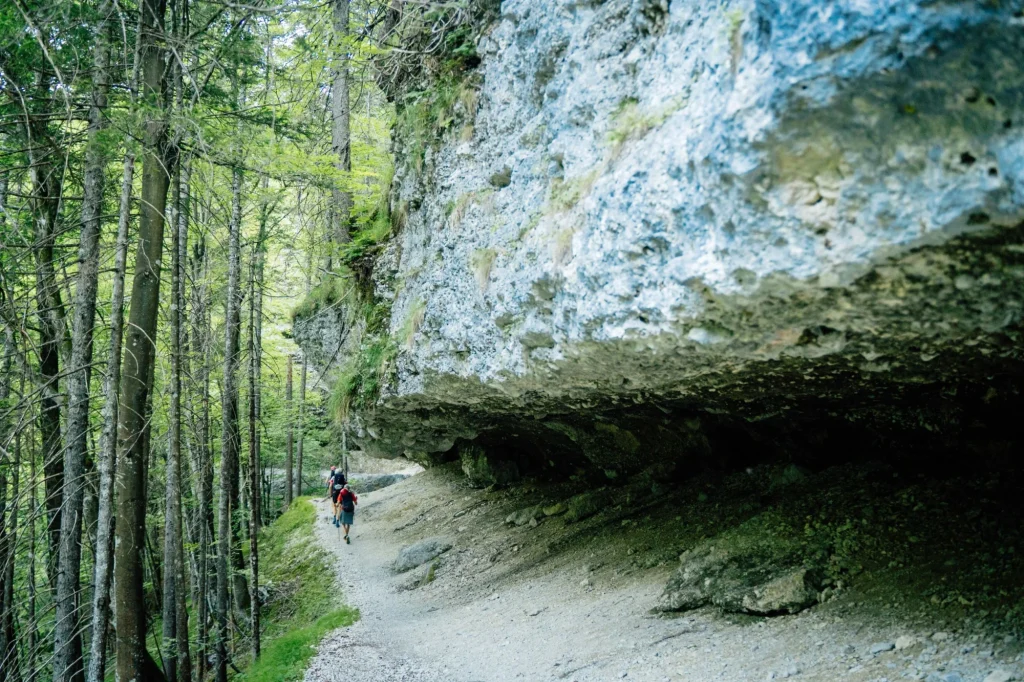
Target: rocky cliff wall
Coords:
[[677, 233]]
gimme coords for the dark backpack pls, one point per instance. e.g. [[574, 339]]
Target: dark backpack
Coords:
[[338, 480], [347, 503]]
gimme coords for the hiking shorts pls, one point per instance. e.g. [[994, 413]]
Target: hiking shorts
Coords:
[[334, 496], [347, 518]]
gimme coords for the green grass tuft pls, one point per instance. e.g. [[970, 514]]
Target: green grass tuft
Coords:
[[329, 292]]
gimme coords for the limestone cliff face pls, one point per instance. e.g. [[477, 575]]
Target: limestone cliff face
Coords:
[[680, 231]]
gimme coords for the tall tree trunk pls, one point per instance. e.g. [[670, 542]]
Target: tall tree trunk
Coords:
[[261, 258], [67, 658], [46, 189], [133, 659], [254, 467], [107, 456], [181, 603], [288, 483], [341, 215], [301, 426], [175, 639], [8, 510], [177, 611], [204, 464], [33, 514], [229, 426]]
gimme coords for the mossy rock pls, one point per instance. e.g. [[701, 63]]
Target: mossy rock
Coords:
[[585, 505]]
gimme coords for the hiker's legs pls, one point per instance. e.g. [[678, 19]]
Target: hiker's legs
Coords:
[[345, 527]]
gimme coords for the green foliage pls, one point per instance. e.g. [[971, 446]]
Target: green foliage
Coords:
[[365, 241], [285, 658], [842, 543], [295, 571], [359, 383], [329, 292], [460, 47], [426, 115]]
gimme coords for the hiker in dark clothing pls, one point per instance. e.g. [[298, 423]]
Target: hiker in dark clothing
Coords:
[[347, 501], [335, 483]]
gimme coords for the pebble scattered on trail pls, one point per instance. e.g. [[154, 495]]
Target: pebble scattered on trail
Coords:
[[352, 655]]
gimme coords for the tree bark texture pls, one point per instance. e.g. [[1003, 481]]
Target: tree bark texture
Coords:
[[107, 454], [200, 324], [289, 463], [254, 467], [300, 426], [229, 427], [67, 657], [340, 128], [46, 189], [8, 510], [133, 660], [175, 638]]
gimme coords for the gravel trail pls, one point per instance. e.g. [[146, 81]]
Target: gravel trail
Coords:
[[551, 602], [366, 651]]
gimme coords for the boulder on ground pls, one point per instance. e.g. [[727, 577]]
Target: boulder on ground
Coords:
[[748, 572], [420, 553], [483, 470], [585, 505], [524, 516], [418, 577]]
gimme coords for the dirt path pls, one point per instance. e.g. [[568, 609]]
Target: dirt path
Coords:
[[554, 602]]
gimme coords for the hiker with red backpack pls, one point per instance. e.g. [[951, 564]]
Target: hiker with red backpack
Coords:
[[347, 501], [335, 482]]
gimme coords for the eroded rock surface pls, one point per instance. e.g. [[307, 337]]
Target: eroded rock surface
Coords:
[[699, 233]]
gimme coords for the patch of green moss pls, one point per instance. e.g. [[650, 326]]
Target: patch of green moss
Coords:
[[631, 122], [565, 194], [430, 575], [480, 262], [413, 321]]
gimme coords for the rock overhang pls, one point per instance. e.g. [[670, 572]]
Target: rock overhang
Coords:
[[779, 211]]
